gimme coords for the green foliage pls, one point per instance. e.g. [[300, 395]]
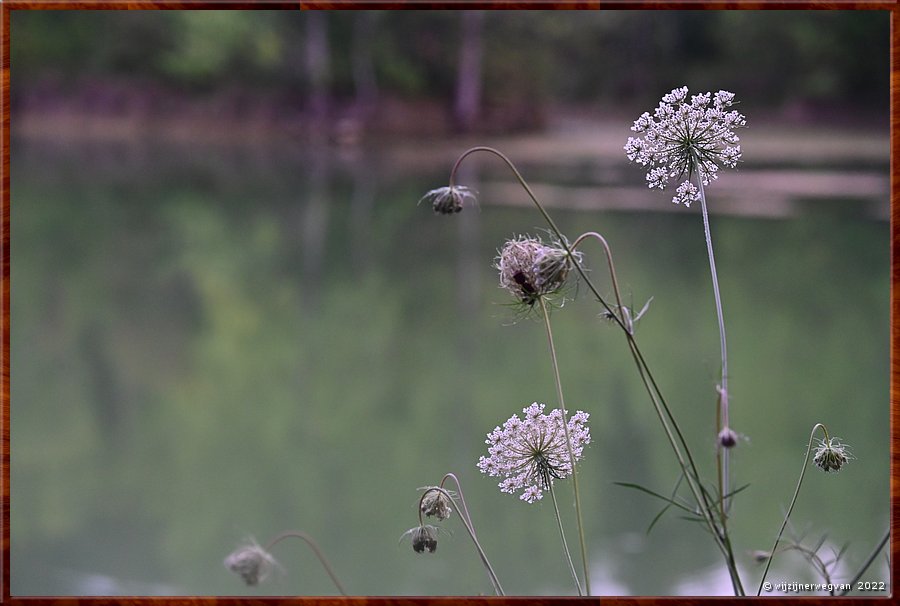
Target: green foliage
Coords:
[[531, 57], [208, 46], [809, 54]]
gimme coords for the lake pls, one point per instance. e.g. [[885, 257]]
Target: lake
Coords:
[[217, 342]]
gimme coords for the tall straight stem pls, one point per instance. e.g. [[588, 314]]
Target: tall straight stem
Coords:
[[565, 421], [562, 535], [722, 451]]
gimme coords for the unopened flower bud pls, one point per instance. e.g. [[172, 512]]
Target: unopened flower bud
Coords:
[[251, 562], [423, 538], [448, 200], [727, 438], [551, 269], [831, 455]]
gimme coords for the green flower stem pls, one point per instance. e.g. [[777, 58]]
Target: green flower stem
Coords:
[[722, 453], [688, 466], [467, 524], [612, 271], [565, 423], [793, 502], [470, 528], [718, 298], [312, 544], [562, 535], [726, 543]]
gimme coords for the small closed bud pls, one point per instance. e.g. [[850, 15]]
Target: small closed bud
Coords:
[[448, 200], [436, 503], [727, 438], [551, 269], [831, 455], [424, 538], [251, 562]]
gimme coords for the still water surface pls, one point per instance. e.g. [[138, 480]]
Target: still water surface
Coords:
[[215, 344]]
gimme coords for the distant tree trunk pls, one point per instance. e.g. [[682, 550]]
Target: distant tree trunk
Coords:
[[318, 66], [364, 65], [467, 107], [314, 206], [109, 401]]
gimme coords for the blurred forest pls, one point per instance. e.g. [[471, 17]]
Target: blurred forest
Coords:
[[361, 71]]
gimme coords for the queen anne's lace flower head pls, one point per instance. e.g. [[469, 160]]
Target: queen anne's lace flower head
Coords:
[[685, 137], [530, 453]]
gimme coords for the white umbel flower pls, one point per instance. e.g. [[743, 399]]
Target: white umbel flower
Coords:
[[687, 137], [530, 453]]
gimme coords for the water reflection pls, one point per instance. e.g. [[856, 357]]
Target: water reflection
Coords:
[[209, 344], [92, 584]]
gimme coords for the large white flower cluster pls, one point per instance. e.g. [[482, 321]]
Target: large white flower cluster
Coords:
[[687, 137], [530, 453]]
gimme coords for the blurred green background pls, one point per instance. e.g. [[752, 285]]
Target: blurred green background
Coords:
[[230, 318]]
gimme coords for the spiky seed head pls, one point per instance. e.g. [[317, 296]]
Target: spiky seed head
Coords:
[[530, 269], [831, 455], [436, 503]]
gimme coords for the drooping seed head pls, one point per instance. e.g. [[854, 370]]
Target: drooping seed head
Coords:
[[831, 455], [436, 503], [251, 562], [448, 200], [424, 538]]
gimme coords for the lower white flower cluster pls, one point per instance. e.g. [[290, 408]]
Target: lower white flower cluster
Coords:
[[530, 453]]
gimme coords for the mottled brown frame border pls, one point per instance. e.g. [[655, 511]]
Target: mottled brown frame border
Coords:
[[6, 6]]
